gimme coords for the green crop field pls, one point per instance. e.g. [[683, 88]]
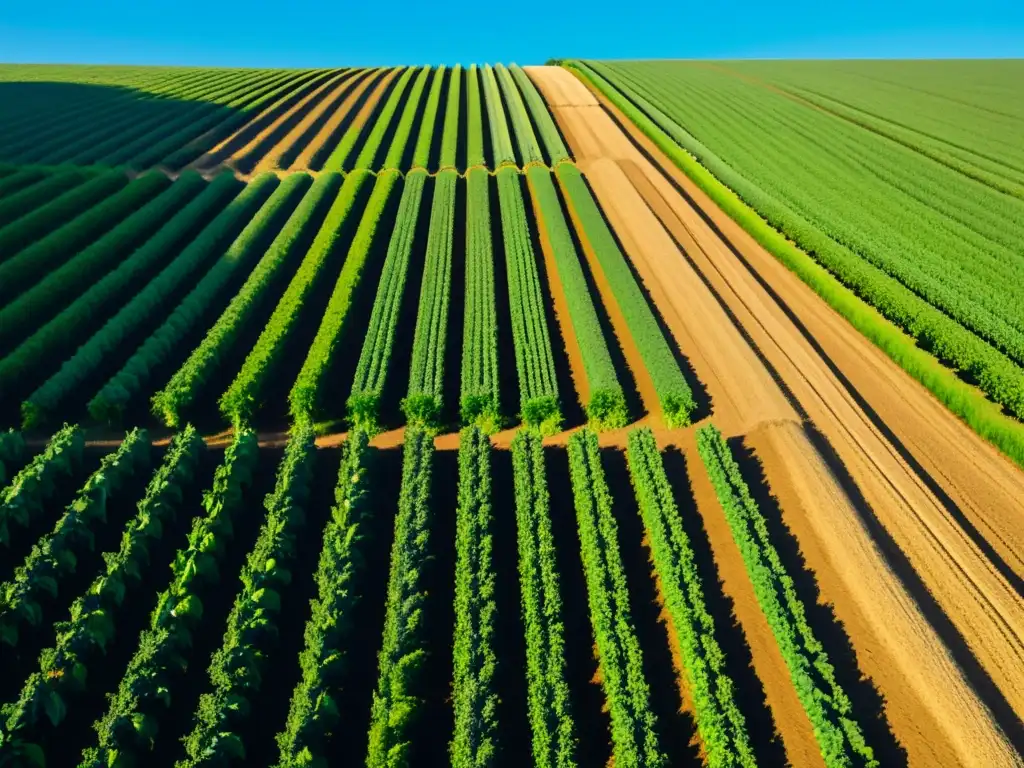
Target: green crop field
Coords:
[[633, 413]]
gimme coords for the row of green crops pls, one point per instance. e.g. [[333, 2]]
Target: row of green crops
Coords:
[[426, 378], [148, 303], [375, 357], [634, 734], [371, 149], [450, 137], [403, 130], [21, 199], [252, 298], [82, 640], [551, 723], [125, 734], [501, 141], [606, 403], [474, 120], [478, 398], [52, 292], [720, 721], [829, 708], [307, 394], [428, 124], [134, 377], [336, 159], [73, 325], [55, 555], [538, 388], [40, 222], [396, 703], [236, 671], [24, 497], [674, 394], [35, 262], [473, 696], [243, 396], [314, 713], [529, 149]]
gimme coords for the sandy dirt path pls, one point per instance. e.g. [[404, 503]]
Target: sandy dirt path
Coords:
[[988, 614], [329, 128], [330, 102]]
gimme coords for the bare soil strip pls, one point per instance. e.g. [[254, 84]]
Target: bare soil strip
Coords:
[[340, 113], [742, 340], [272, 158]]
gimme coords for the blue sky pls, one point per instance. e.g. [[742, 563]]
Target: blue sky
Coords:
[[301, 33]]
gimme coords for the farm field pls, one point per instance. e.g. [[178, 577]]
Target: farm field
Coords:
[[461, 415]]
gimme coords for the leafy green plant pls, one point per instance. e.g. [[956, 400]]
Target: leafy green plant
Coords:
[[236, 671], [634, 734], [126, 733], [829, 708], [396, 700], [554, 738]]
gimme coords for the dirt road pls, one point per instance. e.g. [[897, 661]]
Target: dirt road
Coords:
[[762, 364]]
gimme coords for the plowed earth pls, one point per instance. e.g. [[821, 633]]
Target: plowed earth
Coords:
[[911, 524]]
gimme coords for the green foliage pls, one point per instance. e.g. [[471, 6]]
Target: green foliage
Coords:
[[529, 149], [236, 671], [75, 323], [243, 396], [12, 449], [548, 702], [368, 154], [546, 127], [306, 396], [109, 403], [17, 203], [501, 141], [428, 126], [126, 733], [397, 701], [674, 394], [49, 295], [149, 302], [426, 378], [475, 703], [314, 714], [478, 398], [196, 372], [450, 137], [55, 555], [634, 735], [37, 223], [33, 263], [375, 357], [538, 388], [720, 721], [29, 490], [83, 639], [606, 406], [405, 122], [827, 705], [474, 121]]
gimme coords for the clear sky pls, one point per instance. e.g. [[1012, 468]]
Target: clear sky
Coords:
[[314, 33]]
